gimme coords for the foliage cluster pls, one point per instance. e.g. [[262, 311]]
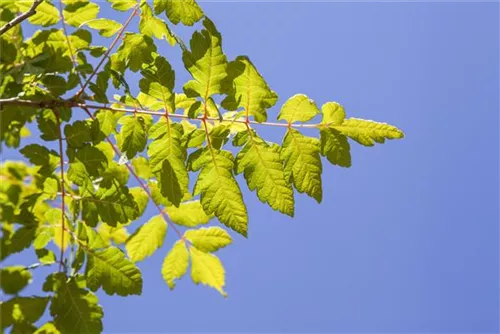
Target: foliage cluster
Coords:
[[180, 151]]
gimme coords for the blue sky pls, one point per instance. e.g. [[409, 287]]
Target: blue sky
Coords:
[[407, 239]]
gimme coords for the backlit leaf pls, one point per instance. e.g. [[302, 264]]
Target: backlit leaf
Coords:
[[147, 239]]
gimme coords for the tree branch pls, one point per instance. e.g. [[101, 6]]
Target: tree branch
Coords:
[[18, 19], [70, 103]]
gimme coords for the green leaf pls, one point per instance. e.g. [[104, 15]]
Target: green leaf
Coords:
[[135, 51], [55, 84], [46, 13], [246, 88], [189, 214], [206, 62], [133, 135], [47, 123], [187, 11], [158, 82], [207, 270], [75, 310], [208, 239], [147, 239], [220, 193], [104, 125], [108, 268], [106, 27], [302, 163], [153, 26], [15, 278], [167, 157], [41, 156], [20, 310], [169, 183], [78, 133], [263, 170], [175, 264], [219, 135], [335, 147], [94, 160], [115, 205], [122, 5], [78, 12], [368, 132], [298, 108]]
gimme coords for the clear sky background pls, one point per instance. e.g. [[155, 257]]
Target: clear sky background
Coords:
[[406, 240]]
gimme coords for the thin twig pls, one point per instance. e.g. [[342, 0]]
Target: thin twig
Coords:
[[69, 103], [63, 207], [141, 183], [212, 119], [105, 55], [18, 19]]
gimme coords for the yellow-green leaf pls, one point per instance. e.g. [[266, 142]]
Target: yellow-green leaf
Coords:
[[147, 239], [118, 234], [79, 12], [133, 135], [207, 269], [263, 171], [153, 26], [123, 5], [209, 239], [158, 81], [167, 157], [106, 27], [186, 11], [60, 237], [368, 132], [175, 264], [220, 193], [333, 113], [246, 88], [46, 13], [206, 62], [189, 214], [298, 108], [303, 163]]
